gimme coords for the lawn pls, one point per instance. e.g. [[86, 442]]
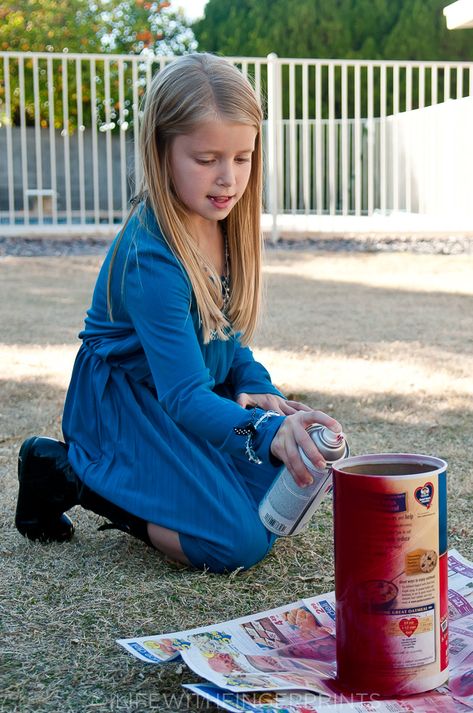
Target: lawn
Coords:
[[383, 341]]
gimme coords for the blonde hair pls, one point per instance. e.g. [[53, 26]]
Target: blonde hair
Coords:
[[193, 89]]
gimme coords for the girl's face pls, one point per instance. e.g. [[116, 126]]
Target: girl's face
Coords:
[[210, 169]]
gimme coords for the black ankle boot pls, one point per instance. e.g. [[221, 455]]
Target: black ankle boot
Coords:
[[47, 489]]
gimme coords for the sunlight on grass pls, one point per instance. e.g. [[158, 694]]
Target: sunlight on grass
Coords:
[[452, 274], [52, 364], [353, 375]]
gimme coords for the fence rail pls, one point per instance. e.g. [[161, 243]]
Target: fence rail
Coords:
[[334, 131]]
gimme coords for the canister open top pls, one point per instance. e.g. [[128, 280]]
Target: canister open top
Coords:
[[390, 464]]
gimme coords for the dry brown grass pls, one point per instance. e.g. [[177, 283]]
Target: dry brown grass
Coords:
[[382, 341]]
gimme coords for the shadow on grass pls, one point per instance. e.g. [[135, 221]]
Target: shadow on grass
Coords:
[[29, 407], [339, 317], [331, 316]]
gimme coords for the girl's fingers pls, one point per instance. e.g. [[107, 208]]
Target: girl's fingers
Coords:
[[309, 417], [267, 402], [296, 466], [297, 406], [243, 400], [276, 403], [310, 449], [287, 408], [293, 435]]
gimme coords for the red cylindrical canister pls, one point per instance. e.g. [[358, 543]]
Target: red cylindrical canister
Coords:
[[390, 521]]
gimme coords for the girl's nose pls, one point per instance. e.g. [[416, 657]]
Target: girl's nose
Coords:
[[227, 175]]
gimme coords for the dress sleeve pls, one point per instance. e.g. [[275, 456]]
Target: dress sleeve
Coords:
[[157, 298], [248, 375]]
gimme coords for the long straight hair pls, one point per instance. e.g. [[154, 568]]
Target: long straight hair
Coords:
[[189, 91]]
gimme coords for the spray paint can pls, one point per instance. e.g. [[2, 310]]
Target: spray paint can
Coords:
[[391, 574], [287, 508]]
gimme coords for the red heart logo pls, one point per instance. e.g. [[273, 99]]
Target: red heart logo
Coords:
[[408, 626], [425, 494]]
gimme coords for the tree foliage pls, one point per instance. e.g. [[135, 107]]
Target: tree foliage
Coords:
[[362, 29], [126, 26], [335, 29], [48, 25], [131, 26], [148, 28]]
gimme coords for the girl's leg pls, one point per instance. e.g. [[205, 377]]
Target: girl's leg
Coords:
[[168, 542], [206, 514], [223, 533], [48, 487]]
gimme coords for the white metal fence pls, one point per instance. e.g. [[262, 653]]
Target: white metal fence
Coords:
[[335, 134]]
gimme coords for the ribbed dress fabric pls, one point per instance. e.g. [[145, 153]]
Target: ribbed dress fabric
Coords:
[[150, 412]]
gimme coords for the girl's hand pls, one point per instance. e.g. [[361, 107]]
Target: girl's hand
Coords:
[[271, 402], [291, 434]]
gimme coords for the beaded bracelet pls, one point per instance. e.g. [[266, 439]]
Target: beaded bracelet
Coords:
[[249, 430]]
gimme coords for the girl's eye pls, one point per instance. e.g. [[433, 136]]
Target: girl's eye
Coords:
[[205, 162], [241, 159]]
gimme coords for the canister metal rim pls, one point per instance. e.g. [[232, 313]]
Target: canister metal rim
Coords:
[[438, 464]]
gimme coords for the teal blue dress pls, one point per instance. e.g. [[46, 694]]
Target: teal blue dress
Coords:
[[150, 415]]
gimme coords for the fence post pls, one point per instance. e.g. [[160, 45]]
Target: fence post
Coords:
[[274, 94]]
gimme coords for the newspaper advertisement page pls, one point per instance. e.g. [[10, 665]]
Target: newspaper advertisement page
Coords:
[[292, 649], [460, 682], [285, 648], [159, 648], [239, 645], [460, 586], [297, 702], [322, 607]]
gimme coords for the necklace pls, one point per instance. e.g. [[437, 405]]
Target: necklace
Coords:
[[226, 276], [225, 281]]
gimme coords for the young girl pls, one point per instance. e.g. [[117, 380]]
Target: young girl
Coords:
[[173, 431]]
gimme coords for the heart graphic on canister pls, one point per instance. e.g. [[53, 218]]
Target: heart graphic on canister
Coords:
[[424, 494], [408, 626]]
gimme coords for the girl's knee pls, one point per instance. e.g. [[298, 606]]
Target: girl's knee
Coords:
[[251, 551], [245, 546]]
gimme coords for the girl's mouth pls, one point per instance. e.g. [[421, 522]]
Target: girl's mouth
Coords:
[[220, 202]]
